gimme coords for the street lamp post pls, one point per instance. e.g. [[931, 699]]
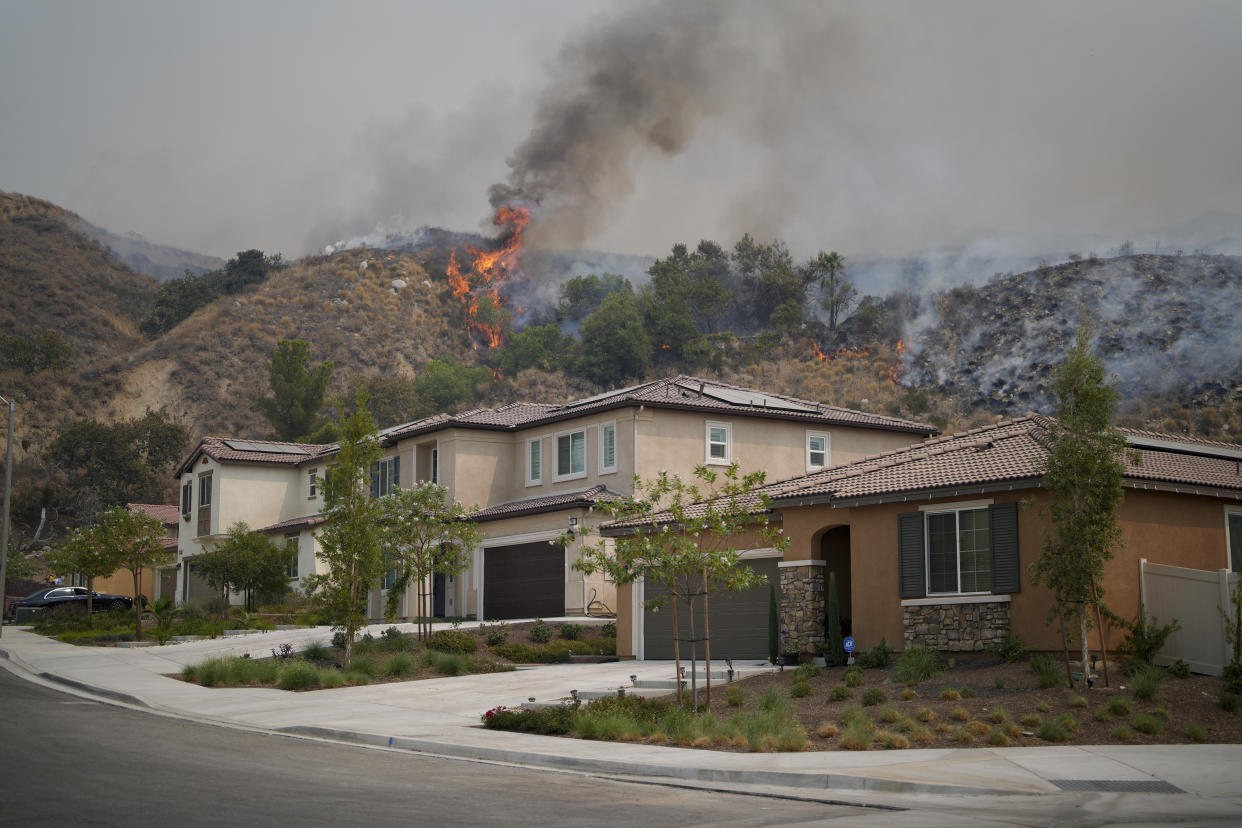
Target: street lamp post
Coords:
[[4, 521]]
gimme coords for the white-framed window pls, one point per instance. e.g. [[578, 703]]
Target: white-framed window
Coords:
[[534, 461], [187, 498], [385, 476], [817, 450], [204, 490], [719, 443], [1233, 537], [608, 448], [291, 546], [389, 579], [435, 465], [959, 551], [571, 454], [312, 483]]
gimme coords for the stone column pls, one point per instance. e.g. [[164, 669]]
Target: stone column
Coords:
[[802, 604]]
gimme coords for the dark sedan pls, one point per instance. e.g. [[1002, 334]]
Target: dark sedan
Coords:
[[61, 596]]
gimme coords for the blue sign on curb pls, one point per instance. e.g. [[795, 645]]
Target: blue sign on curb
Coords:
[[848, 644]]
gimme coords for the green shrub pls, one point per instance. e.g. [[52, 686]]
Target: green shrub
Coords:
[[355, 678], [449, 664], [398, 665], [1144, 637], [452, 641], [950, 694], [890, 715], [917, 664], [959, 713], [329, 679], [1148, 724], [395, 641], [540, 632], [853, 677], [550, 721], [856, 737], [1232, 677], [878, 657], [639, 709], [1120, 705], [608, 630], [495, 634], [968, 693], [771, 701], [1145, 683], [997, 737], [1031, 720], [1179, 669], [808, 671], [733, 695], [1050, 672], [1053, 731], [872, 696], [1076, 700], [998, 715], [297, 675], [1102, 713], [800, 688], [572, 632], [1231, 702], [839, 692], [317, 651], [1011, 648], [1195, 732]]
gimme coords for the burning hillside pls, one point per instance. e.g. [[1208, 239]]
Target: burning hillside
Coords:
[[482, 283]]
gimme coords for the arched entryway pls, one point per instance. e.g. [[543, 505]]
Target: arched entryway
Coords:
[[834, 548]]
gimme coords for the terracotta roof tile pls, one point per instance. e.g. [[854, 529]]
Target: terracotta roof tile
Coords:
[[232, 450], [304, 522], [160, 511]]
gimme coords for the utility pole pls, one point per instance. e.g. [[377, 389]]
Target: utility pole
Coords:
[[4, 521]]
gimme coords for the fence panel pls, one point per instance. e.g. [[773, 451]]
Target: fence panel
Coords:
[[1192, 597]]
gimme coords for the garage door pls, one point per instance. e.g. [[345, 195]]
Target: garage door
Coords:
[[524, 581], [739, 620]]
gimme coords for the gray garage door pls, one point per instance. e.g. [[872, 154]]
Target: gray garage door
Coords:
[[739, 620], [523, 581]]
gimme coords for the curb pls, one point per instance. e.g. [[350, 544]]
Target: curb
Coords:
[[784, 779]]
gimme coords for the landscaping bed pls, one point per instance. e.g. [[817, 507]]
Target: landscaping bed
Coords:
[[396, 656], [978, 701]]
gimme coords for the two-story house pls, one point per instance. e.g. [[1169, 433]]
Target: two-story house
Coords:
[[537, 470]]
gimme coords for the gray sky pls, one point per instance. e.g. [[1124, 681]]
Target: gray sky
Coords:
[[878, 127]]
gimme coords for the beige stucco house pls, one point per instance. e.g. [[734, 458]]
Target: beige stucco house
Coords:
[[535, 470]]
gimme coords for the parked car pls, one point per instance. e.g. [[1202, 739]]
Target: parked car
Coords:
[[60, 596]]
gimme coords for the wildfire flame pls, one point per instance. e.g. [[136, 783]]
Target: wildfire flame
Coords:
[[851, 352], [896, 370], [480, 285]]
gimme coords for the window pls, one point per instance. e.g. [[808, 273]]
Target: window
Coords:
[[187, 496], [816, 451], [571, 455], [312, 483], [1233, 529], [608, 448], [534, 461], [435, 465], [389, 580], [385, 476], [204, 490], [291, 546], [959, 549], [719, 439]]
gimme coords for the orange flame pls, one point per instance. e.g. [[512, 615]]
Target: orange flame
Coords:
[[896, 369], [482, 285], [845, 352]]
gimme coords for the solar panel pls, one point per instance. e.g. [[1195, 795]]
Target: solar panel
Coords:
[[266, 448], [603, 396], [1178, 447], [751, 399]]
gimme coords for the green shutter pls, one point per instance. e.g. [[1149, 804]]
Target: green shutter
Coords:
[[1006, 566], [910, 555]]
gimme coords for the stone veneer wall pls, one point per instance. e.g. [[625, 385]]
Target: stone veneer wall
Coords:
[[956, 627], [802, 607]]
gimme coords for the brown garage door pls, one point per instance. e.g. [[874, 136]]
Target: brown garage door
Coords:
[[523, 581], [739, 620]]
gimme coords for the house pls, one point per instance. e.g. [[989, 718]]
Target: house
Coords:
[[536, 470], [930, 544]]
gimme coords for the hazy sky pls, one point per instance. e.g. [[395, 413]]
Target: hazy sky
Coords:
[[220, 126]]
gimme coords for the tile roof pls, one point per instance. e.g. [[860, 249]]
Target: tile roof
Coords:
[[231, 450], [546, 503], [160, 511], [677, 392], [304, 522], [1010, 452]]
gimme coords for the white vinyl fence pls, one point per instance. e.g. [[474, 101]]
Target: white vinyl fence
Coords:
[[1192, 596]]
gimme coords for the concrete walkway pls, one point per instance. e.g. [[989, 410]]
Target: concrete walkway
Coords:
[[441, 716]]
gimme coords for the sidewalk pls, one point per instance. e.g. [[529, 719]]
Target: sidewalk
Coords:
[[441, 716]]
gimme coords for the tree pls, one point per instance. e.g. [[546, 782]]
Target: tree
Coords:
[[828, 270], [245, 561], [135, 540], [350, 538], [297, 393], [446, 384], [614, 342], [682, 539], [102, 465], [776, 288], [85, 553], [581, 296], [1083, 473], [424, 534], [538, 346]]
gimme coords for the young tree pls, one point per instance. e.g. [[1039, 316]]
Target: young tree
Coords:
[[614, 342], [350, 538], [1083, 473], [135, 540], [424, 534], [681, 537], [828, 269], [85, 553], [246, 561], [297, 393]]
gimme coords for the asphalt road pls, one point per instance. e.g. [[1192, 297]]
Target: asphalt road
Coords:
[[65, 760]]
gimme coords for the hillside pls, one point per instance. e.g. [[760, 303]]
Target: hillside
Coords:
[[141, 256]]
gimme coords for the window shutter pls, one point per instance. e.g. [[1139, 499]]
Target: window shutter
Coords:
[[396, 472], [1006, 566], [375, 472], [910, 553]]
